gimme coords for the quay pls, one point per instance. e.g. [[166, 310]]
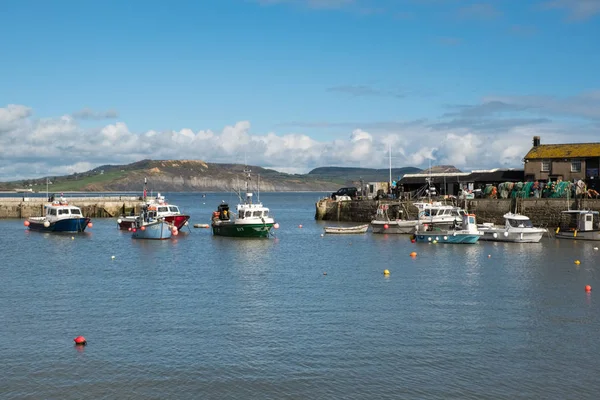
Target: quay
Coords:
[[544, 212], [92, 207]]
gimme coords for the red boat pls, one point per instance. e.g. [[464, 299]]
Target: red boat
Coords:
[[169, 212]]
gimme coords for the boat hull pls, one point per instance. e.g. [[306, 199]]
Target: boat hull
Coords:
[[447, 237], [406, 226], [232, 229], [503, 235], [393, 227], [154, 231], [70, 225], [579, 235], [178, 221]]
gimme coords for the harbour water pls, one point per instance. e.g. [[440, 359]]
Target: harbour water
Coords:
[[209, 317]]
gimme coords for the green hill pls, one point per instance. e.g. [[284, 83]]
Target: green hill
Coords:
[[200, 176]]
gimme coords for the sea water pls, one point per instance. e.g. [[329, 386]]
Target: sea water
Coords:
[[299, 316]]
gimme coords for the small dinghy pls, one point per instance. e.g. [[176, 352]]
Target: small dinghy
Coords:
[[347, 229]]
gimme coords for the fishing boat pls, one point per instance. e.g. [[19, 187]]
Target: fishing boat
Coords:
[[347, 229], [249, 219], [149, 226], [169, 212], [468, 234], [517, 228], [59, 216], [434, 214], [583, 225]]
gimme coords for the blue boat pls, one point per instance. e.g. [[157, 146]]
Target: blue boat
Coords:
[[59, 216], [148, 226], [468, 233]]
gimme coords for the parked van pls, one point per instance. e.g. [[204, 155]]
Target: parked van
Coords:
[[351, 192]]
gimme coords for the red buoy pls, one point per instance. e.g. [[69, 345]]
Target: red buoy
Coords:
[[80, 341], [588, 288], [385, 226], [26, 223]]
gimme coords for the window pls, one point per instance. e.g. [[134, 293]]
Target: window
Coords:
[[545, 166], [576, 166]]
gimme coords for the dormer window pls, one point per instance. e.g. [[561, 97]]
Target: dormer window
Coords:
[[576, 166], [545, 166]]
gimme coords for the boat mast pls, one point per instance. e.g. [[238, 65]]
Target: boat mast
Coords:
[[47, 195], [390, 186], [248, 178]]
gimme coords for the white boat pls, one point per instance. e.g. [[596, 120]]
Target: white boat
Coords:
[[435, 214], [347, 229], [517, 228], [583, 225]]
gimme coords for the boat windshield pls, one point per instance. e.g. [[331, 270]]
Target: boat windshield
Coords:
[[520, 223], [75, 211], [174, 209]]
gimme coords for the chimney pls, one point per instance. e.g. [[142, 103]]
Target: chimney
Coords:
[[536, 141]]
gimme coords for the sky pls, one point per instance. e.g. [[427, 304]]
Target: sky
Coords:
[[294, 84]]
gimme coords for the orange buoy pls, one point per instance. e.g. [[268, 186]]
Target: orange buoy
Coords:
[[90, 224], [143, 228], [80, 341], [413, 254], [26, 223], [588, 288], [276, 225]]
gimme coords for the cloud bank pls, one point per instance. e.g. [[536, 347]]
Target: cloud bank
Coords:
[[497, 132]]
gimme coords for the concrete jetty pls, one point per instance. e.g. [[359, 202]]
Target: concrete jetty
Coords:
[[93, 207], [545, 212]]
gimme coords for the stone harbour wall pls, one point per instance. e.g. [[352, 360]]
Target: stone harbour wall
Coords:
[[93, 207], [542, 212]]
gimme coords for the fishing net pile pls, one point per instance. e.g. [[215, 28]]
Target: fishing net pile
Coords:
[[525, 190]]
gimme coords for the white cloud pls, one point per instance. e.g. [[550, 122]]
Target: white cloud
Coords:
[[32, 147]]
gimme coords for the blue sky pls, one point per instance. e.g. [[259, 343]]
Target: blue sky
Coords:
[[294, 84]]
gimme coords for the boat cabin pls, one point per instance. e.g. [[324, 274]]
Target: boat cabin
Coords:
[[583, 220], [469, 223], [437, 209], [252, 211], [517, 221], [60, 210]]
